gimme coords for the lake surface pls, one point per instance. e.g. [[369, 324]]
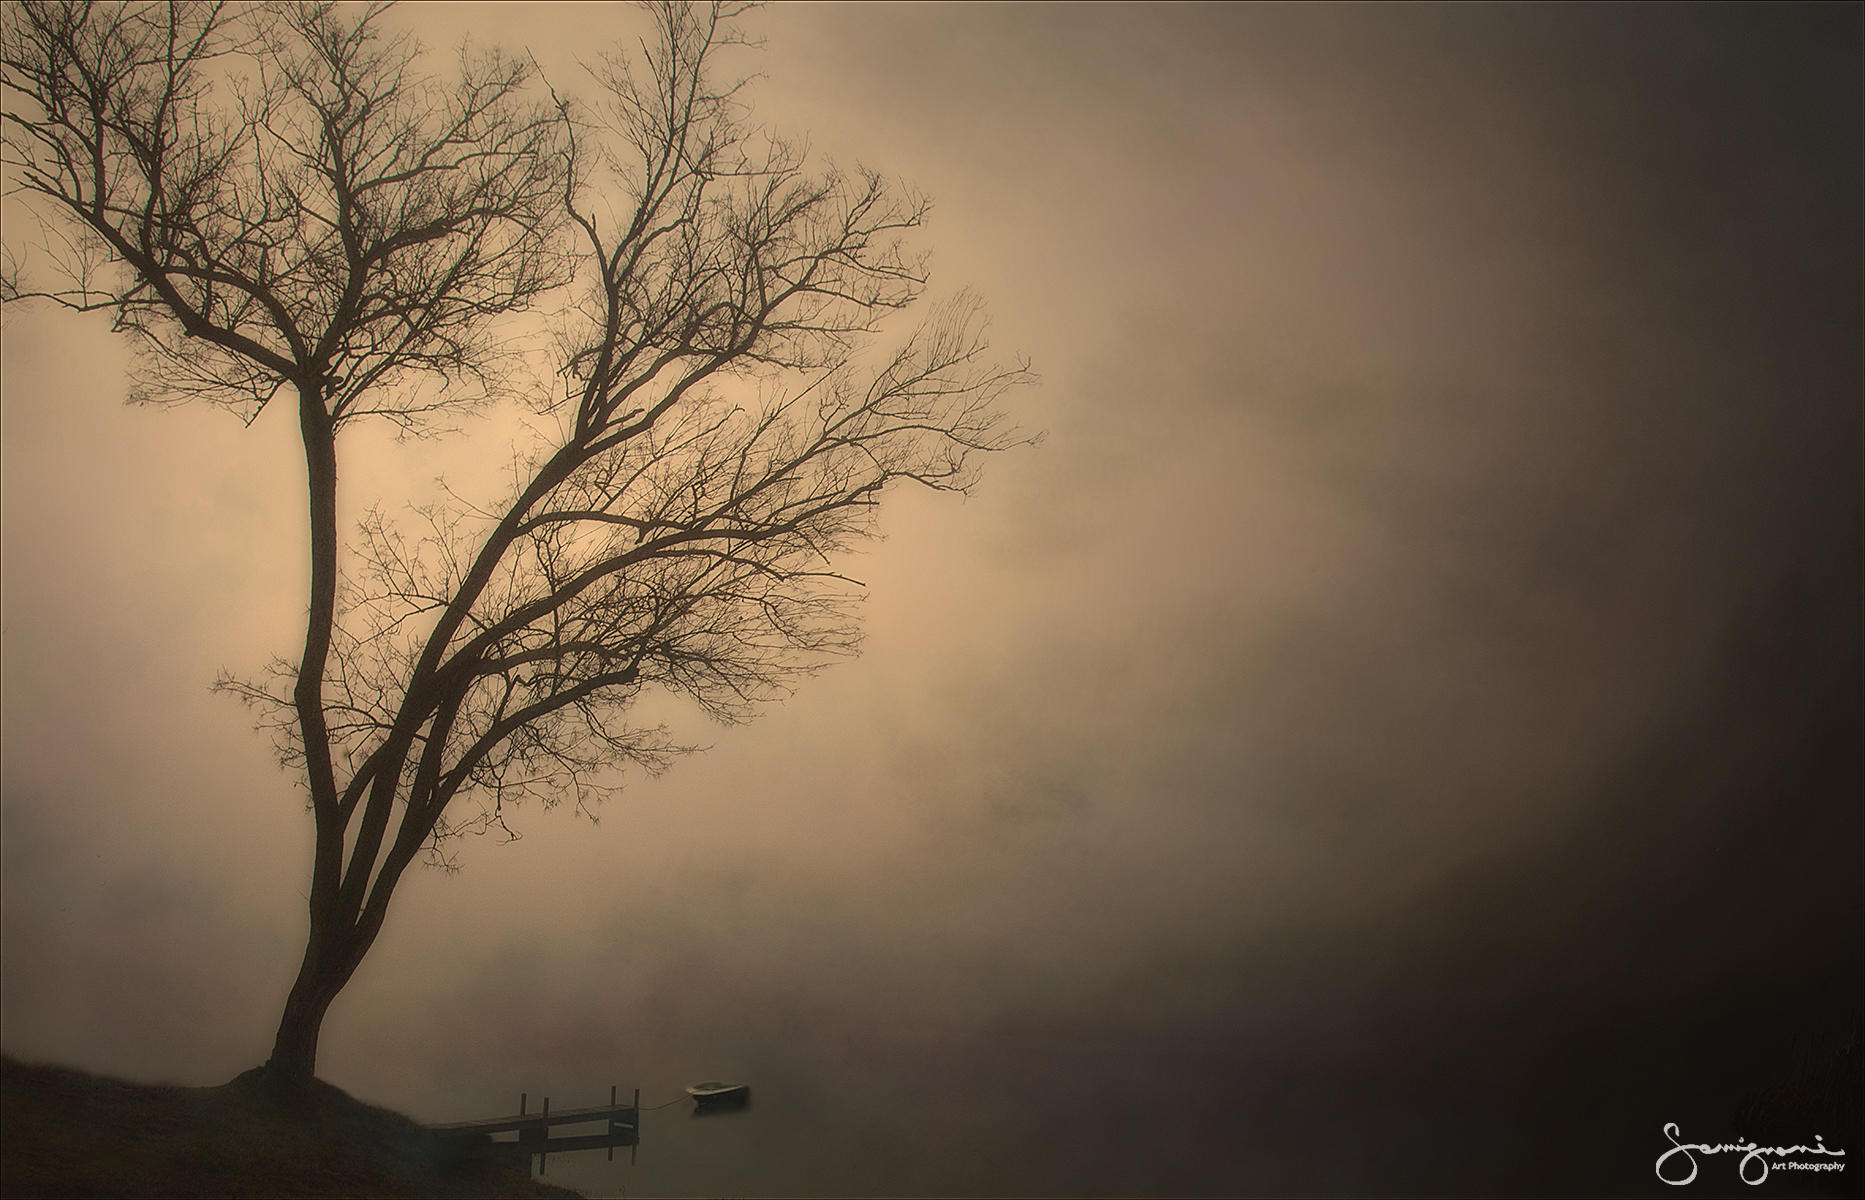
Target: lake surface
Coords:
[[849, 1113], [859, 1106]]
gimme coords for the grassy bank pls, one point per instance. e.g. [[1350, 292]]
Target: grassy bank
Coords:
[[72, 1134]]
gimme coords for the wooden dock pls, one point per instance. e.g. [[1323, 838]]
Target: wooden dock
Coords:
[[623, 1123]]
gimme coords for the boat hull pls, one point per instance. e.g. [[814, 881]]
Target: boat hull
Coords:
[[716, 1096]]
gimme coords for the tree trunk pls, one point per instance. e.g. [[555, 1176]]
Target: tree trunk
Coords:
[[293, 1064], [329, 961]]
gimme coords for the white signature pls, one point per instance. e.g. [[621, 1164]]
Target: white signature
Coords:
[[1751, 1153]]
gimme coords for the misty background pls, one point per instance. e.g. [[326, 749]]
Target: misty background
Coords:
[[1411, 698]]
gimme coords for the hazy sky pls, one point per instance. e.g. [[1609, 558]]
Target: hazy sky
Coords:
[[1430, 629]]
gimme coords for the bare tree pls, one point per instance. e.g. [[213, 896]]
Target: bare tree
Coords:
[[278, 197]]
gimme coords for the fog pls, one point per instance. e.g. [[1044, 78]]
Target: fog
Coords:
[[1413, 689]]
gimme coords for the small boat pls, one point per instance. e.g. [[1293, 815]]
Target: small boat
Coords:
[[717, 1094]]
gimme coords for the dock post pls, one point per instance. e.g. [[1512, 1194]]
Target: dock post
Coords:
[[521, 1103], [611, 1122], [634, 1143], [543, 1159]]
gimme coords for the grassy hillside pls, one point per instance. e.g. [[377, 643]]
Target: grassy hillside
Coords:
[[72, 1134]]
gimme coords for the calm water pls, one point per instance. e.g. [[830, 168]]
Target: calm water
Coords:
[[861, 1107], [924, 1112]]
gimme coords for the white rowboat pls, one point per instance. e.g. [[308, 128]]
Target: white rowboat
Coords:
[[716, 1092]]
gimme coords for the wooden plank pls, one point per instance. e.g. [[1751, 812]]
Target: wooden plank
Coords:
[[526, 1121]]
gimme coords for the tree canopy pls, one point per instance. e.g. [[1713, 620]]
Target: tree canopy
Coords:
[[288, 202]]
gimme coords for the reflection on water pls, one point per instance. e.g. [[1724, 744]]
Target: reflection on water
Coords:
[[532, 1135], [871, 1108], [539, 1149], [913, 1114], [723, 1104], [542, 1152]]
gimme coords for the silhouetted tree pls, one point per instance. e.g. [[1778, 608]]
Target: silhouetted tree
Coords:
[[278, 200]]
